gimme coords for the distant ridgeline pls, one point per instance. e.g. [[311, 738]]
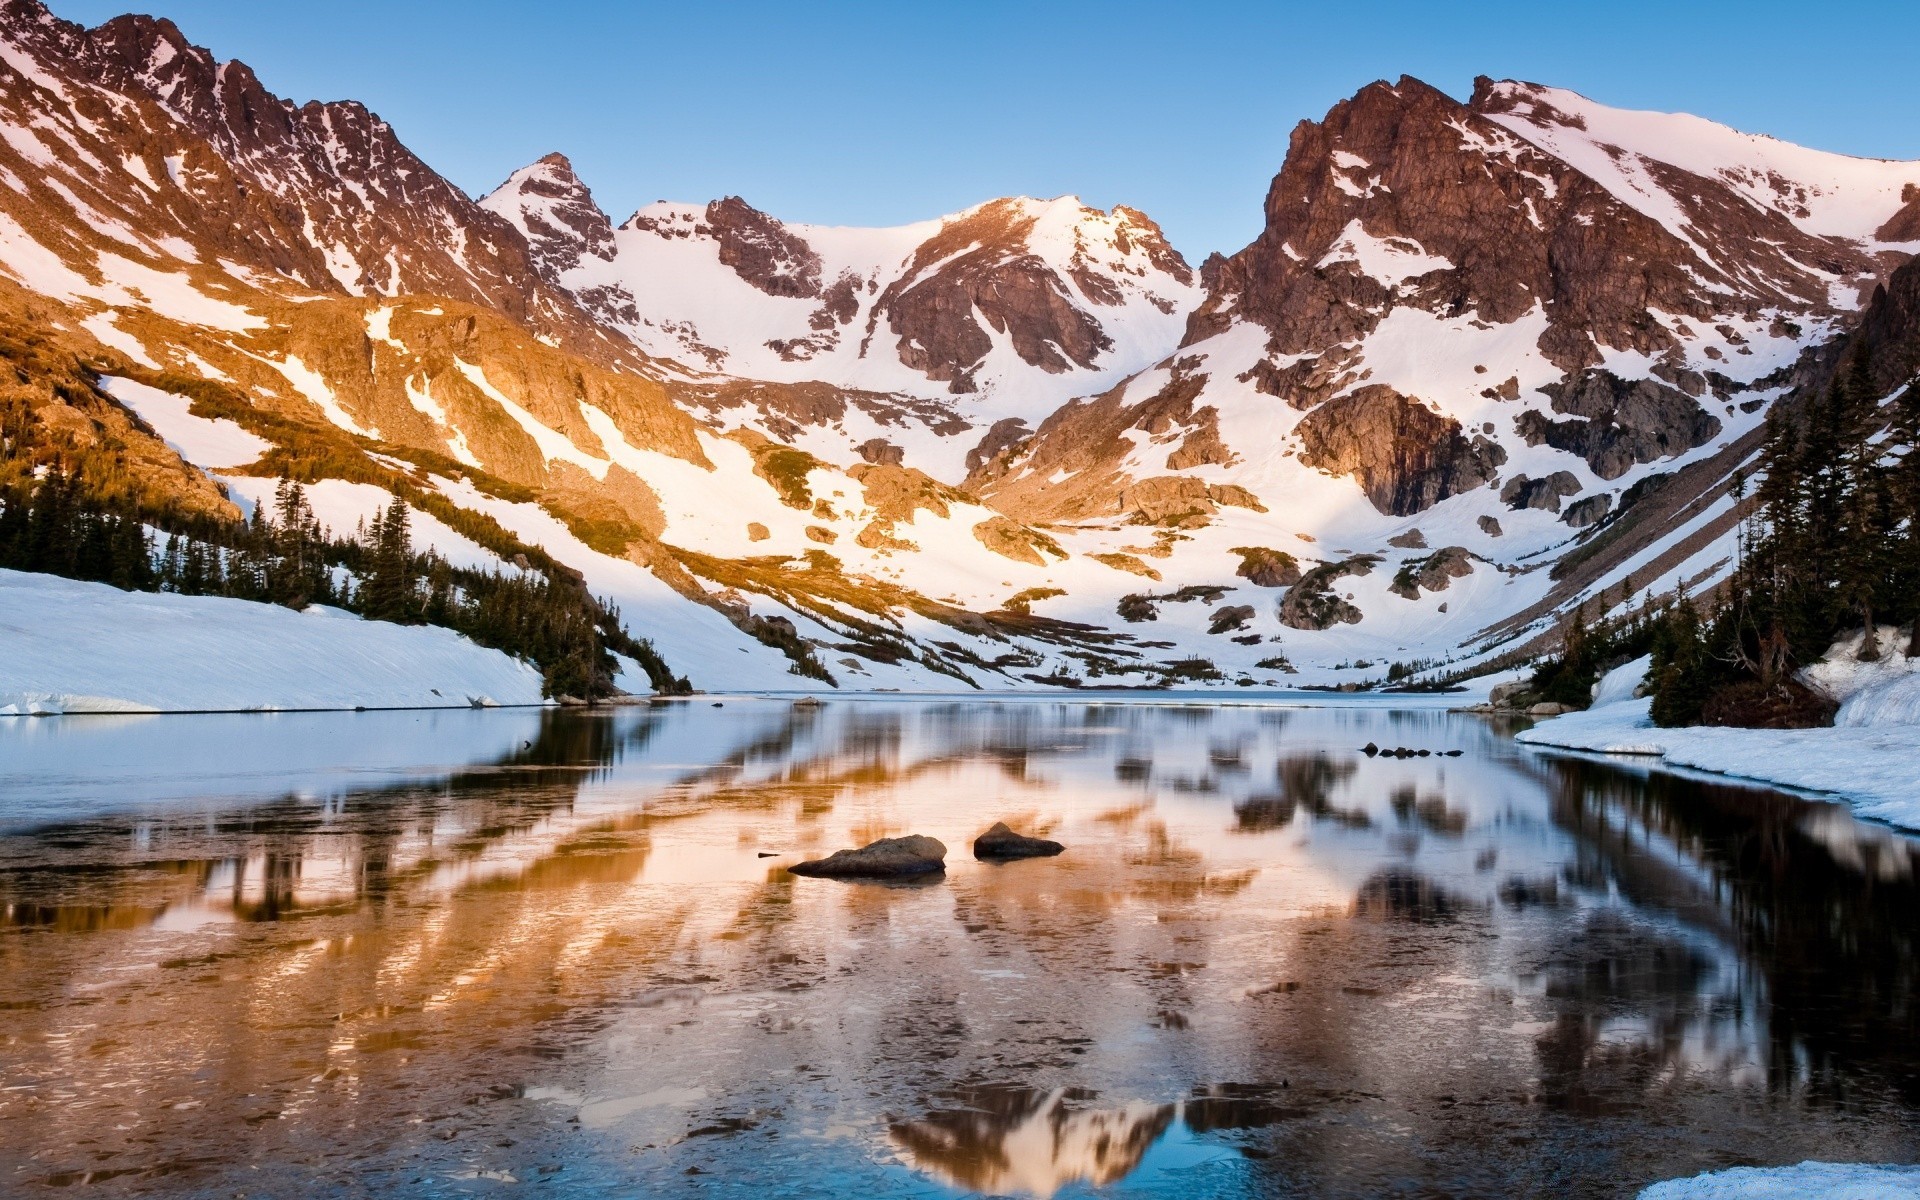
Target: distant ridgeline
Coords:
[[58, 524], [1832, 545]]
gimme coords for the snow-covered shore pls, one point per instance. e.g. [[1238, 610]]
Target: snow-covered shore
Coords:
[[1807, 1181], [1870, 757], [71, 647]]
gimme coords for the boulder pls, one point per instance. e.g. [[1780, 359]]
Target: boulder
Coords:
[[1504, 692], [1547, 708], [1002, 842], [888, 858]]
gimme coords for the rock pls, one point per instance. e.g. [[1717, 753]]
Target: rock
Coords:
[[1431, 573], [1618, 423], [1504, 692], [1547, 708], [1588, 510], [1266, 567], [1230, 618], [1406, 456], [888, 858], [1369, 749], [1002, 842], [1412, 539], [1522, 492], [1312, 604], [1490, 526]]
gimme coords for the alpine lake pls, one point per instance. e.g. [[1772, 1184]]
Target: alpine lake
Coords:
[[489, 952]]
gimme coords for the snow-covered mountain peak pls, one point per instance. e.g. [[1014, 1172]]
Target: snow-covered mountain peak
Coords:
[[1822, 193], [548, 203]]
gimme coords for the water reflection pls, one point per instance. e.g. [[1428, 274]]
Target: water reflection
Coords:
[[566, 946]]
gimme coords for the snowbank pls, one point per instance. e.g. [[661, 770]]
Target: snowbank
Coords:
[[1874, 765], [1885, 691], [67, 646], [1808, 1181]]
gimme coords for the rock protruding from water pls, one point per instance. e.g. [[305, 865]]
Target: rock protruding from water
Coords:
[[888, 858], [1002, 842]]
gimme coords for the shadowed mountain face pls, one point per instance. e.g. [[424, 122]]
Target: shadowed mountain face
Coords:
[[1533, 324]]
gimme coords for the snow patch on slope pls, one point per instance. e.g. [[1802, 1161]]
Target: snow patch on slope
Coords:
[[68, 646]]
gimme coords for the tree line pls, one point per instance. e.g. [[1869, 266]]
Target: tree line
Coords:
[[1832, 546], [283, 555]]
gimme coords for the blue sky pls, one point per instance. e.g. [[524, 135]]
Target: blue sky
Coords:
[[869, 113]]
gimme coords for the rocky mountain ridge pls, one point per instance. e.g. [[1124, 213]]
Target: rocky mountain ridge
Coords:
[[1487, 360]]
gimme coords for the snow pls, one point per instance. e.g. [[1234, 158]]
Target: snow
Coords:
[[1618, 685], [1885, 691], [73, 647], [102, 326], [1842, 196], [202, 442], [1808, 1181], [1392, 261], [1875, 767], [311, 384]]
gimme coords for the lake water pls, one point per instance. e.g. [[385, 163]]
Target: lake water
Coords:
[[464, 953]]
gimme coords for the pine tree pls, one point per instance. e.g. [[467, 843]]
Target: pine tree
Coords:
[[387, 594]]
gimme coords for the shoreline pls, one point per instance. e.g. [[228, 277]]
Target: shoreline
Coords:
[[1874, 770]]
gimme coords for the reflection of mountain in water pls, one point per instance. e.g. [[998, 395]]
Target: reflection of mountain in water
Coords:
[[1022, 1140], [1011, 1140]]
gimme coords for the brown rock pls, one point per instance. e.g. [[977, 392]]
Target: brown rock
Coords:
[[1406, 456], [1001, 842], [888, 858]]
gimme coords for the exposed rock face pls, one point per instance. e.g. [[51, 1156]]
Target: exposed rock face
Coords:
[[1000, 843], [1406, 456], [1404, 196], [219, 170], [762, 251], [1432, 573], [1490, 526], [1312, 604], [888, 858], [1522, 492], [984, 267], [557, 214], [1890, 328], [1229, 618], [1619, 424], [1074, 467], [1588, 510], [1264, 567], [1010, 539]]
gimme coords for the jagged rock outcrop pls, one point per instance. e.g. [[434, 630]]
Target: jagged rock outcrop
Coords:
[[762, 251], [1312, 603], [1432, 573], [1889, 333], [140, 129], [1522, 492], [1588, 510], [1618, 424], [1265, 567], [1406, 456], [1403, 196]]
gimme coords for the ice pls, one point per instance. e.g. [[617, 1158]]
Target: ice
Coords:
[[1808, 1181]]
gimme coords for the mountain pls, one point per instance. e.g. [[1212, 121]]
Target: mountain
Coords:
[[1485, 361], [942, 329]]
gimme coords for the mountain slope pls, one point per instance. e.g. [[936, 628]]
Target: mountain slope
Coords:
[[1486, 360]]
